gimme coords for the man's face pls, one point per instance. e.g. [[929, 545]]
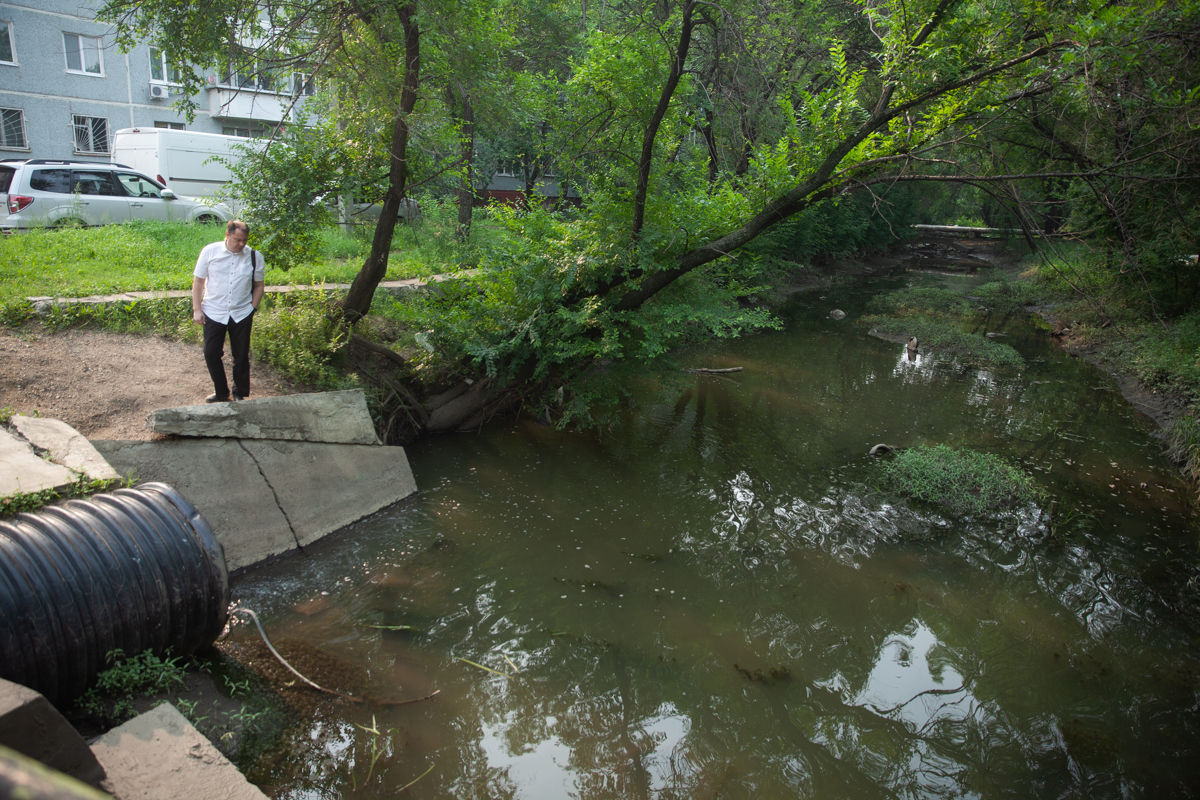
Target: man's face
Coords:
[[236, 242]]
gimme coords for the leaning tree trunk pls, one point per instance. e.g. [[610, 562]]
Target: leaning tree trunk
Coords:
[[362, 290]]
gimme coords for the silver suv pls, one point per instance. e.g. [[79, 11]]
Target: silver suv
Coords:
[[59, 193]]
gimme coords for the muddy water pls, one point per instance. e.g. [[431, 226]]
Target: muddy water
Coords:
[[711, 599]]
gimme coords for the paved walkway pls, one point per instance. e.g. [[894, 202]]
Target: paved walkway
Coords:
[[42, 304]]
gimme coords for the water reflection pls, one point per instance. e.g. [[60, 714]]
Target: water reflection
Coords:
[[711, 599]]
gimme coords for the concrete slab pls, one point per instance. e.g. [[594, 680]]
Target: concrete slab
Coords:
[[159, 754], [67, 446], [22, 471], [33, 727], [340, 417], [324, 487], [224, 483], [263, 498]]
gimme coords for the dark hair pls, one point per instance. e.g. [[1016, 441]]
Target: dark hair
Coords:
[[237, 225]]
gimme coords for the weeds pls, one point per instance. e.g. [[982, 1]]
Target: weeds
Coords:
[[961, 481], [115, 689], [296, 336], [19, 502]]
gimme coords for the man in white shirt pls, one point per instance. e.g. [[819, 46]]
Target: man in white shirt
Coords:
[[227, 286]]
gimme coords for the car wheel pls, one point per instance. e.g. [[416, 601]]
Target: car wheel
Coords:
[[70, 222], [207, 219]]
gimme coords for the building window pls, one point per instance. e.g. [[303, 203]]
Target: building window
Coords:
[[247, 133], [174, 126], [8, 52], [303, 85], [160, 70], [83, 54], [91, 135], [243, 71], [12, 129]]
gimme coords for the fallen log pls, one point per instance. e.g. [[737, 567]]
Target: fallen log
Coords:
[[708, 371]]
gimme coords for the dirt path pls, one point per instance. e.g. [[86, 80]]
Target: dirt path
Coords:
[[105, 384]]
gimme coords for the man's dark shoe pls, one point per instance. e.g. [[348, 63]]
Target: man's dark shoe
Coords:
[[237, 396], [213, 398]]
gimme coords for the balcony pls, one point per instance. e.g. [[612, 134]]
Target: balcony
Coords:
[[225, 101]]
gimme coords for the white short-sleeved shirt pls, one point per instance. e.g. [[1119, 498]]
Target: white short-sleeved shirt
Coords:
[[229, 281]]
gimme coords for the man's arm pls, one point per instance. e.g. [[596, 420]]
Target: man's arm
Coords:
[[256, 293], [197, 299]]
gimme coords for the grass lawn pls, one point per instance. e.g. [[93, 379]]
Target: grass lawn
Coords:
[[160, 255]]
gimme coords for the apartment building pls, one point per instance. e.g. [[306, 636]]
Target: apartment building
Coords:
[[65, 87]]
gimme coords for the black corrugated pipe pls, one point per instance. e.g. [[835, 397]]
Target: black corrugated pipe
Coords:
[[135, 570]]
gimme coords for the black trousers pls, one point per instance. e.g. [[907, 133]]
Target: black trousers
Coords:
[[239, 349]]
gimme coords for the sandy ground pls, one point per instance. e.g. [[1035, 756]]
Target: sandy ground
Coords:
[[105, 384]]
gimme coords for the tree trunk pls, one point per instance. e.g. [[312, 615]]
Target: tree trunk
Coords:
[[362, 290], [660, 112], [710, 140], [466, 190]]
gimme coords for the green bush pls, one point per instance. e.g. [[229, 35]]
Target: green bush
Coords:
[[960, 481], [295, 334]]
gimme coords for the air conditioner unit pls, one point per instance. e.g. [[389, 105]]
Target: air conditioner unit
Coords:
[[158, 91]]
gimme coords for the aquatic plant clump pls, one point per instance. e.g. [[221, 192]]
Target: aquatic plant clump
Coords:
[[915, 299], [946, 337], [961, 481]]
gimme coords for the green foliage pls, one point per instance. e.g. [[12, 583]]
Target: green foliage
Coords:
[[944, 336], [32, 501], [289, 188], [1183, 445], [295, 334], [165, 317], [111, 698], [960, 481]]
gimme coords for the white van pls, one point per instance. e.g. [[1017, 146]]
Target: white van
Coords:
[[183, 161]]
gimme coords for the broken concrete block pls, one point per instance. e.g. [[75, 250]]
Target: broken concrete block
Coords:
[[159, 754], [33, 727], [263, 498], [324, 487], [22, 471], [224, 484], [339, 417], [66, 445]]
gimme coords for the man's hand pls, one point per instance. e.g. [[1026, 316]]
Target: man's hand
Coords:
[[197, 299]]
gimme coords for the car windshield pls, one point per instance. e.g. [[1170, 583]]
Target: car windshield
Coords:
[[138, 185], [6, 174]]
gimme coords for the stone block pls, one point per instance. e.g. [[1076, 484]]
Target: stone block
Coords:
[[324, 487], [22, 471], [222, 481], [33, 727], [66, 445], [339, 417], [160, 755]]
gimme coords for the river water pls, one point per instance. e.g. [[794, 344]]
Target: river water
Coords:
[[710, 598]]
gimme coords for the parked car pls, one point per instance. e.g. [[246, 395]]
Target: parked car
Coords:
[[40, 192]]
